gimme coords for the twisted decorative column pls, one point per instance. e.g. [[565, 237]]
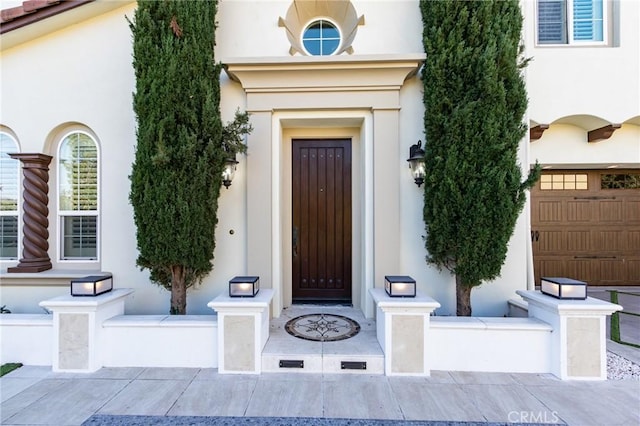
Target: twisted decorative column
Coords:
[[35, 212]]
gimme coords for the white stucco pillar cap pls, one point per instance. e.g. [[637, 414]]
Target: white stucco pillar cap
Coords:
[[88, 303], [588, 307], [226, 303], [421, 302]]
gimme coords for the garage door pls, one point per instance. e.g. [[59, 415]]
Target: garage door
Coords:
[[586, 225]]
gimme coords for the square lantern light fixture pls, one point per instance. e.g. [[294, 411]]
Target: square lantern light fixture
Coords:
[[244, 286], [400, 286], [91, 286], [564, 288]]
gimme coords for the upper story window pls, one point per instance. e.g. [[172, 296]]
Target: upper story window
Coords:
[[572, 21], [9, 194], [78, 197], [321, 38]]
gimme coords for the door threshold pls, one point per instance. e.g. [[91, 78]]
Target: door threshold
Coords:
[[319, 302]]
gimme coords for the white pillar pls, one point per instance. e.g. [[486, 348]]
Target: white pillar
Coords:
[[77, 329], [578, 340], [402, 326], [259, 202], [243, 330], [386, 189]]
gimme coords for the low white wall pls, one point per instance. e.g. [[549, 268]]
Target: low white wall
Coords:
[[26, 338], [161, 341], [518, 308], [517, 345], [511, 345]]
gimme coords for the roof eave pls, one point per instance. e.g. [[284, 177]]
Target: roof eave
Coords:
[[29, 18], [32, 27]]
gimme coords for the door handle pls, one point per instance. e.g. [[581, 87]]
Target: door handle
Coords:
[[295, 241], [594, 257], [535, 236]]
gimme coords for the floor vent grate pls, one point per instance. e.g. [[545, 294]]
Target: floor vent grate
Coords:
[[291, 363], [353, 365]]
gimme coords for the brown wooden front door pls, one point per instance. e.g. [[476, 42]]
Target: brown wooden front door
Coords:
[[321, 234]]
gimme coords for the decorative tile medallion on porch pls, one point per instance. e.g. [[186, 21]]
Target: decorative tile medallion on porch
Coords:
[[360, 353], [322, 327]]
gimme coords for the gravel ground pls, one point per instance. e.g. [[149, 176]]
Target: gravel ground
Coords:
[[619, 368]]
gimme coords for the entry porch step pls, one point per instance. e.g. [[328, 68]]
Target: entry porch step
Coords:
[[319, 363], [359, 354]]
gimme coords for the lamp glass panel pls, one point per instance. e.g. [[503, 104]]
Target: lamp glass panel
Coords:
[[563, 288], [417, 168], [550, 288], [244, 286], [574, 291], [103, 285], [402, 289], [229, 171], [91, 286], [400, 286], [242, 289]]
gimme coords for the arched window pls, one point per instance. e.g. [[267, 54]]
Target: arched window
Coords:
[[321, 38], [9, 196], [78, 197]]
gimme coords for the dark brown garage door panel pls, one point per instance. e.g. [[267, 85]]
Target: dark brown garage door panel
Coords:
[[591, 234], [634, 270], [632, 211], [579, 211]]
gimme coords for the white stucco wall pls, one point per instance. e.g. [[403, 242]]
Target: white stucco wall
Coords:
[[401, 26], [83, 74], [390, 27], [565, 146], [580, 88], [598, 80]]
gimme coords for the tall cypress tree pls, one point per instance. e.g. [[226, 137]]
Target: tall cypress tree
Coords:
[[475, 100], [176, 176]]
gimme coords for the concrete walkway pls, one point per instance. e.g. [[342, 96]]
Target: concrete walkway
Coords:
[[36, 396]]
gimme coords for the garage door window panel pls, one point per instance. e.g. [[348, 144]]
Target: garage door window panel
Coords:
[[620, 181], [564, 182]]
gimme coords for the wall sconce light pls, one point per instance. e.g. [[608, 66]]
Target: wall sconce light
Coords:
[[244, 286], [564, 288], [400, 286], [93, 285], [229, 171], [416, 163]]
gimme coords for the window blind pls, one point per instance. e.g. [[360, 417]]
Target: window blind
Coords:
[[9, 237], [552, 21], [9, 194], [587, 20]]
